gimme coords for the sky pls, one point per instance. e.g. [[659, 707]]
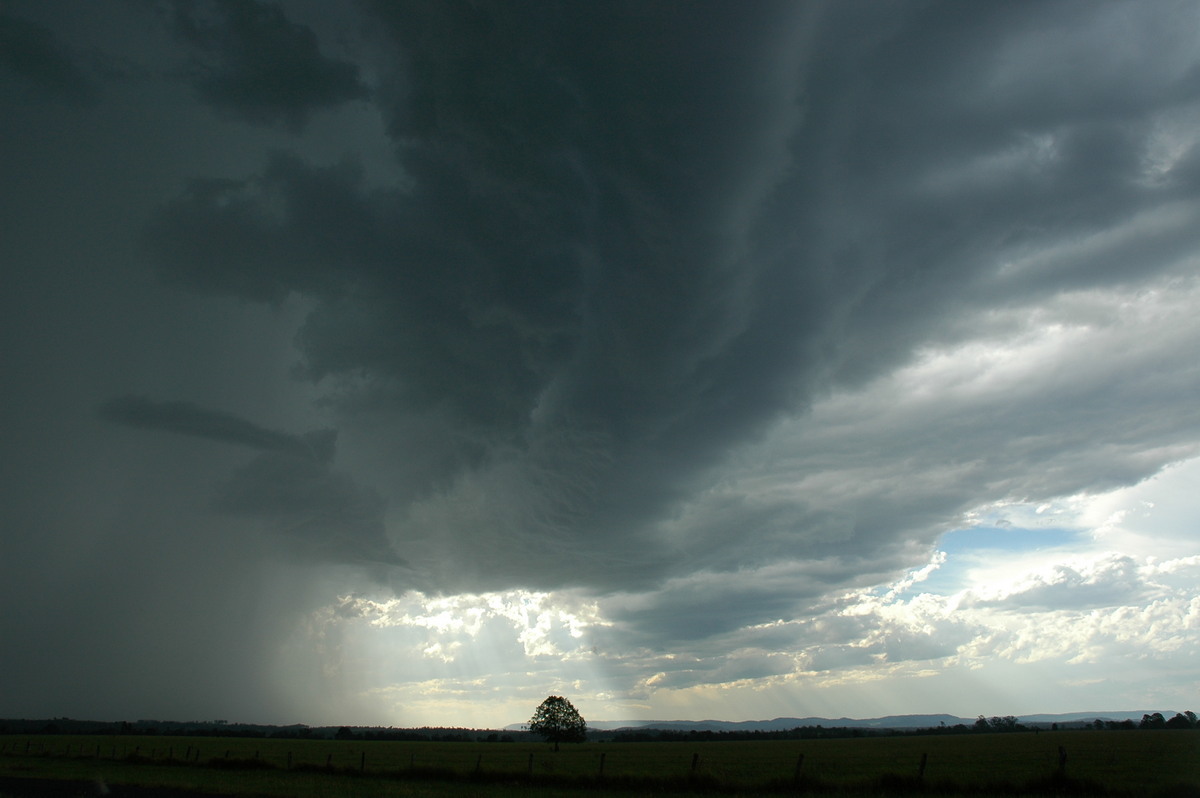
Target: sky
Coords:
[[403, 363]]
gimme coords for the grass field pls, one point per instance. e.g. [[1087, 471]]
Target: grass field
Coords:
[[1140, 763]]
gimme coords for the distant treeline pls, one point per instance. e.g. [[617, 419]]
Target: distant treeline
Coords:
[[709, 735], [220, 728], [799, 733], [982, 725]]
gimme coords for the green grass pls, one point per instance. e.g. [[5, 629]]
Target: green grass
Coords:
[[1138, 763]]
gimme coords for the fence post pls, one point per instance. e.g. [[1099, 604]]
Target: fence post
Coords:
[[601, 773], [362, 762], [695, 762], [478, 763], [799, 764], [921, 771], [1062, 759], [530, 763], [329, 761], [289, 760]]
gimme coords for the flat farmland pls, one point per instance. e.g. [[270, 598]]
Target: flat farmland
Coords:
[[1118, 762]]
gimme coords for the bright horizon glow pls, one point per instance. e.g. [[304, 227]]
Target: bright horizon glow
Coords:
[[993, 649]]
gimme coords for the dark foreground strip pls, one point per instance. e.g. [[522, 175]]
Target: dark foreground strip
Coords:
[[57, 788]]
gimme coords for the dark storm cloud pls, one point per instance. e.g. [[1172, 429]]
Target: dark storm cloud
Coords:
[[32, 52], [935, 181], [406, 297], [325, 515], [561, 261], [591, 149], [707, 605], [662, 229], [255, 63], [708, 317], [185, 418], [292, 487], [292, 228]]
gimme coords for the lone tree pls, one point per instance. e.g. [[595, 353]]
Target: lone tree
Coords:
[[558, 722]]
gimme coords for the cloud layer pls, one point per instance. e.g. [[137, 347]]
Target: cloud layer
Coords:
[[252, 61], [664, 343], [615, 265]]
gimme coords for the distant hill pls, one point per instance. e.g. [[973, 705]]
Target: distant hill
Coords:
[[778, 724], [1074, 717], [886, 722], [514, 731]]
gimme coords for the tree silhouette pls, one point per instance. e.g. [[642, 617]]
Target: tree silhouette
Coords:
[[558, 722], [1180, 721]]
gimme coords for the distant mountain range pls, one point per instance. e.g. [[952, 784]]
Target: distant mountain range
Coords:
[[221, 728], [886, 722]]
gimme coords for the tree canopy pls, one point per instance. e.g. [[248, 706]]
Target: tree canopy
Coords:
[[557, 721]]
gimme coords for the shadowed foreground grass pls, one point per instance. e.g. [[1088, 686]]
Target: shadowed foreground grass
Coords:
[[1118, 764]]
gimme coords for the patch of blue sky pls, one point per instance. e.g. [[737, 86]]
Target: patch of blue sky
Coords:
[[964, 548], [1007, 538]]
